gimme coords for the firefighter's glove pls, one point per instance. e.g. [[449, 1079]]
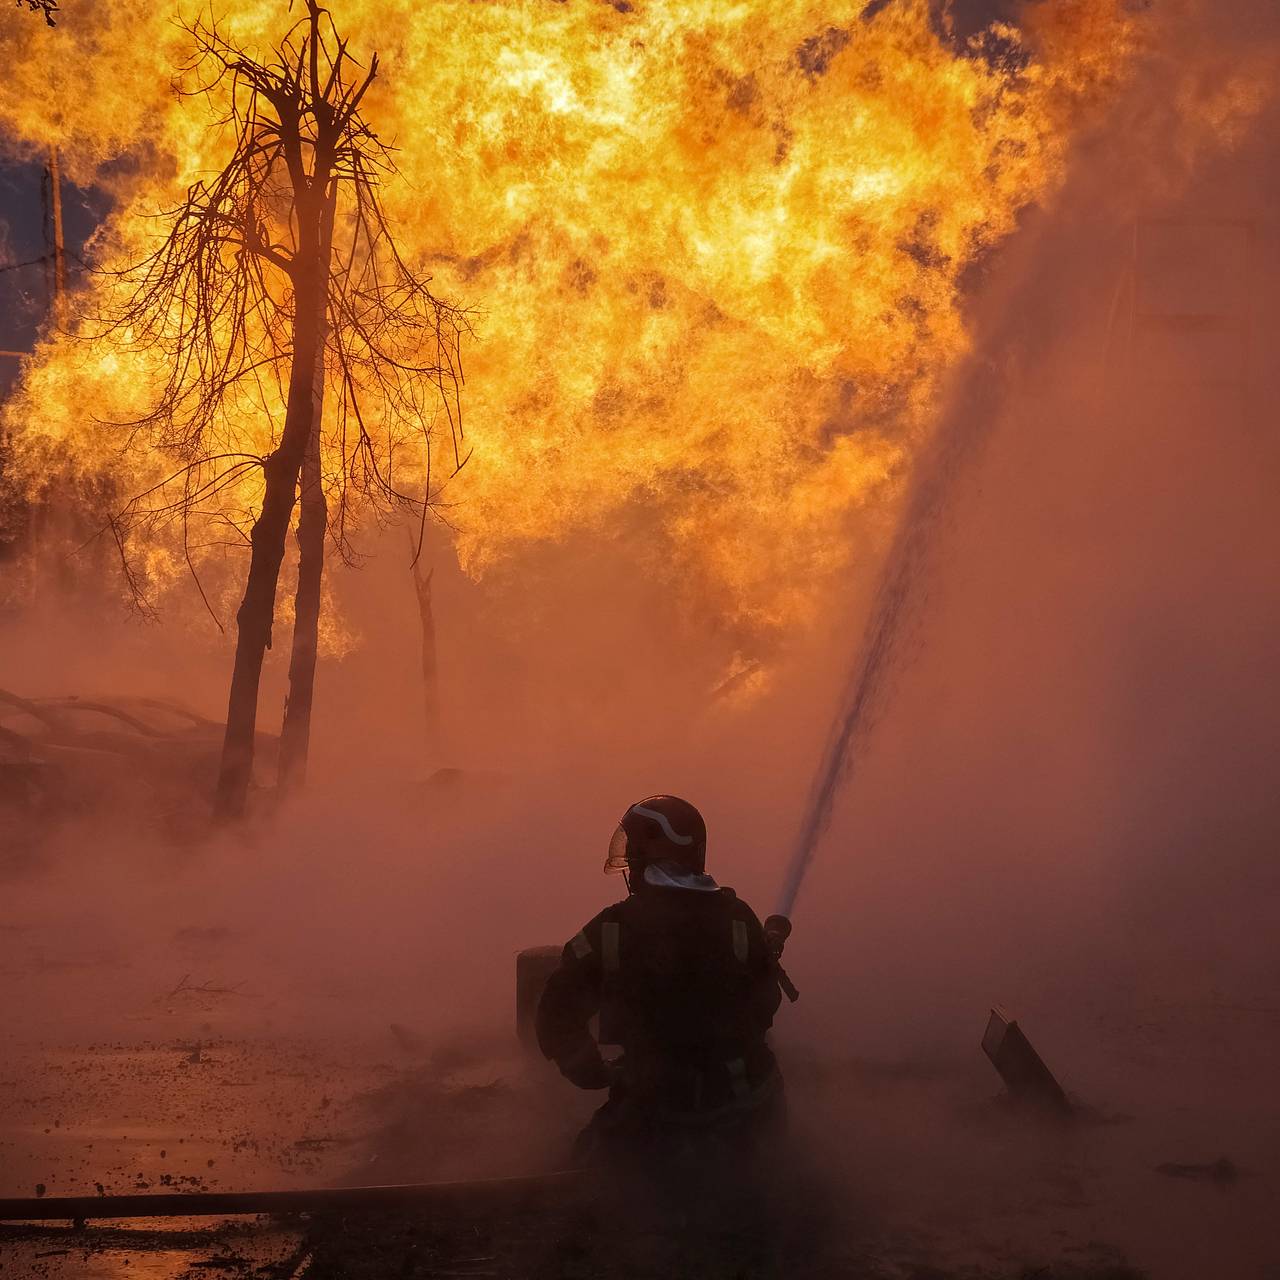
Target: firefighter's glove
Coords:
[[586, 1068]]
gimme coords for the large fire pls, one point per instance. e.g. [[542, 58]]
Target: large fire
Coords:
[[714, 250]]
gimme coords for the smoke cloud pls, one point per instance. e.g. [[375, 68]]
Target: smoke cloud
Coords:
[[1064, 802]]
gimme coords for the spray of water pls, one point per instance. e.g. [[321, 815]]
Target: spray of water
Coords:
[[895, 610]]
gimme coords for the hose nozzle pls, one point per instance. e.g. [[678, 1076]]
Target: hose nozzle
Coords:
[[777, 929]]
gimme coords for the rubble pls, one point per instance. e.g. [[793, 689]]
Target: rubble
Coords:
[[1222, 1171], [1021, 1068]]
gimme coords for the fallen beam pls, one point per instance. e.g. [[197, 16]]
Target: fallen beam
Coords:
[[495, 1193]]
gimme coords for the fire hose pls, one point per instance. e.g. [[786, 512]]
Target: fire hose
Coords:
[[505, 1193]]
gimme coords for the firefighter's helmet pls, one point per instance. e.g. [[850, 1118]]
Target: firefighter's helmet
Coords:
[[659, 829]]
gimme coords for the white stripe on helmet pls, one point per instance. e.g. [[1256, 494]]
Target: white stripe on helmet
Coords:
[[662, 821]]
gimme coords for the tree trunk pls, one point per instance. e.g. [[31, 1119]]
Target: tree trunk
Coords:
[[267, 540], [295, 732], [430, 672], [313, 519]]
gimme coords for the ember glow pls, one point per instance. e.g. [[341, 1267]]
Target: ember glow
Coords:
[[714, 254]]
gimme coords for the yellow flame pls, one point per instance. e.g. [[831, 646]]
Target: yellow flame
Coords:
[[715, 248]]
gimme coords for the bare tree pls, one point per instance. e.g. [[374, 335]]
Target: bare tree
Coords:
[[47, 7], [278, 277], [422, 590], [313, 519]]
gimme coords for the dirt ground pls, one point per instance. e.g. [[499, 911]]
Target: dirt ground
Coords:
[[158, 1057], [897, 1171]]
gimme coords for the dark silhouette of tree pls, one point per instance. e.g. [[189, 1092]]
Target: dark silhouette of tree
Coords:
[[422, 590], [280, 278], [47, 7]]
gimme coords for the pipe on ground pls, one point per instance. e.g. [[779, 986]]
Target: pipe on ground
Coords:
[[502, 1193]]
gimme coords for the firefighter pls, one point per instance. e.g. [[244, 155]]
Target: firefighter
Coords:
[[685, 983]]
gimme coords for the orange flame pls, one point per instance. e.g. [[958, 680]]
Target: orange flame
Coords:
[[715, 249]]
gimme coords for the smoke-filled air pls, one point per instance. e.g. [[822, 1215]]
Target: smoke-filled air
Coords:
[[822, 450]]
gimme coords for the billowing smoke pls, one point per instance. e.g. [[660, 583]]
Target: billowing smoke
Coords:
[[1061, 799]]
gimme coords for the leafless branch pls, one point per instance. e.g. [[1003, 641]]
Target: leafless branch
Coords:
[[186, 986], [47, 7], [215, 299]]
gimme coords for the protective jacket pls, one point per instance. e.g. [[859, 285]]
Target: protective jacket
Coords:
[[684, 984]]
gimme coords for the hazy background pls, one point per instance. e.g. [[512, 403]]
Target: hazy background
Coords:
[[1069, 803], [1070, 785]]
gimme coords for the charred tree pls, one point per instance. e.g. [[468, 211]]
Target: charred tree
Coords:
[[430, 663], [256, 616], [46, 7], [313, 521], [281, 271], [313, 517]]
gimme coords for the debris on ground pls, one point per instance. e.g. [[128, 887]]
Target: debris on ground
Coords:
[[1022, 1069], [1222, 1171]]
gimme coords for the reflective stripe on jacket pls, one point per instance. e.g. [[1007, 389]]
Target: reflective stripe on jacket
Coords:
[[683, 983]]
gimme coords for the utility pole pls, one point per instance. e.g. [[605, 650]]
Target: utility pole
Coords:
[[55, 254]]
